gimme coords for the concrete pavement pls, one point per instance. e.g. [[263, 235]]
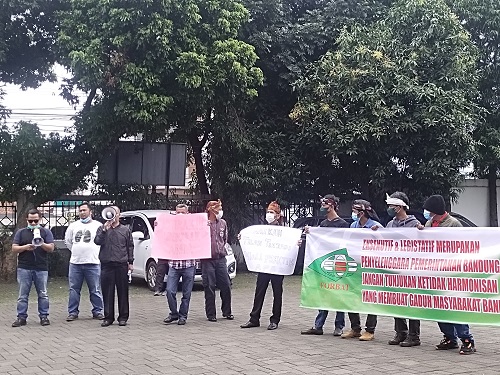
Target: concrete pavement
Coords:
[[147, 346]]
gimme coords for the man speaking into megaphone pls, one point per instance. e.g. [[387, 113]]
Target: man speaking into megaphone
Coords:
[[31, 244], [117, 258]]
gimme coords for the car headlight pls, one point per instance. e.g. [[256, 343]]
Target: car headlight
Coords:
[[229, 250]]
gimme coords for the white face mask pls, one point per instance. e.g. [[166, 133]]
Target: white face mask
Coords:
[[270, 217], [219, 215]]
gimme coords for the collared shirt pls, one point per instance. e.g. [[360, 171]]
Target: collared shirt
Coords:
[[181, 264], [369, 223]]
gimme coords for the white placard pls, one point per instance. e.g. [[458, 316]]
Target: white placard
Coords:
[[270, 248]]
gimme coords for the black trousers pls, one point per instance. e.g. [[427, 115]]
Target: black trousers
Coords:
[[114, 275], [263, 280], [402, 329], [161, 271], [214, 275], [371, 322]]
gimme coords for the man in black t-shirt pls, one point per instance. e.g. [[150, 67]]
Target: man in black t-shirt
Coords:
[[329, 207]]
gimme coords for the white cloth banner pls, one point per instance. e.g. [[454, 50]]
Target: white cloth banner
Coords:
[[270, 248]]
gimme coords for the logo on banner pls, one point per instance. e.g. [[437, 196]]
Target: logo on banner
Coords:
[[335, 265]]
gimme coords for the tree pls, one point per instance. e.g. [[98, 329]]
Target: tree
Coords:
[[482, 20], [392, 106], [163, 69]]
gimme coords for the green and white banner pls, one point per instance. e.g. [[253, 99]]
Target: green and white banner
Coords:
[[442, 274]]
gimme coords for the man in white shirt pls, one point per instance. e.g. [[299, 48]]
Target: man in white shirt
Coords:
[[84, 263]]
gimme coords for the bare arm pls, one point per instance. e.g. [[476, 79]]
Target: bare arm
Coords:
[[20, 248]]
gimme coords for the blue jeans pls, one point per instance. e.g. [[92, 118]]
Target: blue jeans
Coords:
[[187, 286], [91, 273], [25, 279], [321, 318], [453, 330]]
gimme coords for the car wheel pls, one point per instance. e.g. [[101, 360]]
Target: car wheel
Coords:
[[151, 274]]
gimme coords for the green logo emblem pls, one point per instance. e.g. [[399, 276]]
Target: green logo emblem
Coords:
[[335, 265]]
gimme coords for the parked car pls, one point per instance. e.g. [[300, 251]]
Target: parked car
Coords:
[[141, 223], [314, 221]]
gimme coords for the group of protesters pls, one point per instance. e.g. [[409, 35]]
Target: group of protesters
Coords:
[[103, 256]]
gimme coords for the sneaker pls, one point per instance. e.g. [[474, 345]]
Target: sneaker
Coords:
[[446, 344], [337, 331], [169, 319], [409, 342], [312, 331], [71, 317], [181, 322], [98, 316], [398, 339], [367, 336], [157, 293], [350, 334], [19, 322], [467, 347], [44, 321]]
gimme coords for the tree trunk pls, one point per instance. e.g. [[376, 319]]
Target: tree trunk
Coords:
[[8, 260], [197, 147], [492, 195]]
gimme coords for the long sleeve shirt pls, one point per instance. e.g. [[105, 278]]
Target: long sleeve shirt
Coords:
[[116, 243]]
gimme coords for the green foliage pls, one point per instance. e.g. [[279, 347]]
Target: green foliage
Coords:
[[39, 167], [392, 106]]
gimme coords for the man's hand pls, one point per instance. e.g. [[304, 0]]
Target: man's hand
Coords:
[[107, 225], [375, 227], [306, 229], [29, 247], [420, 226], [130, 267]]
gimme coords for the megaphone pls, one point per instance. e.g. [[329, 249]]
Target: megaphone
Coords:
[[108, 214], [37, 238]]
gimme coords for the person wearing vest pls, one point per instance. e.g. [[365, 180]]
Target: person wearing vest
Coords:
[[214, 270], [32, 267]]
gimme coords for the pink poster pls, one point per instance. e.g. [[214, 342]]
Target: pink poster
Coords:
[[181, 236]]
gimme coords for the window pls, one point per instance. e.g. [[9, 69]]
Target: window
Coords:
[[139, 226]]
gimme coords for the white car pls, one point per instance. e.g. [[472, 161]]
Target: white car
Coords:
[[141, 223]]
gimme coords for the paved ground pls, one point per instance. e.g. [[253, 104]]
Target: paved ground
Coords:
[[147, 346]]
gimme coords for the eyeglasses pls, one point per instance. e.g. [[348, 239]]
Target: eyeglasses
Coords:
[[33, 221]]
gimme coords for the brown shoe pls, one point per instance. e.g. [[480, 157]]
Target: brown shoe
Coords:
[[367, 336], [350, 334]]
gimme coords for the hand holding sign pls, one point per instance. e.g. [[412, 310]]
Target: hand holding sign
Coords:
[[181, 237]]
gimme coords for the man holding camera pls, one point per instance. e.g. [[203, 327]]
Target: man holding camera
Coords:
[[31, 244], [117, 258]]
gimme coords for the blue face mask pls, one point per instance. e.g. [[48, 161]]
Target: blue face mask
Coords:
[[33, 226], [86, 220], [323, 211], [427, 215], [354, 217]]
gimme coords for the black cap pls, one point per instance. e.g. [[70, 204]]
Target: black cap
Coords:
[[435, 204]]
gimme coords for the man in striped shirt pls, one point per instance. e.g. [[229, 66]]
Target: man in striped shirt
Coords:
[[177, 269]]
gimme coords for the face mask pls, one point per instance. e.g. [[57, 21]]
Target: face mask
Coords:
[[391, 211], [86, 220], [354, 217], [427, 215], [219, 215], [33, 226], [323, 211], [270, 217]]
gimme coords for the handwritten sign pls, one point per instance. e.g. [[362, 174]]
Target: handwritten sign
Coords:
[[181, 236], [270, 248]]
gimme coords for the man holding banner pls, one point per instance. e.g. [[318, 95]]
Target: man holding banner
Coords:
[[273, 217], [329, 207], [177, 269], [363, 216], [398, 203], [214, 270], [436, 215]]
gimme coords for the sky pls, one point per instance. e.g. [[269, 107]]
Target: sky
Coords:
[[43, 105]]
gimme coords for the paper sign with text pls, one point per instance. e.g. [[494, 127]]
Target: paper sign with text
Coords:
[[270, 248], [441, 274], [181, 236]]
